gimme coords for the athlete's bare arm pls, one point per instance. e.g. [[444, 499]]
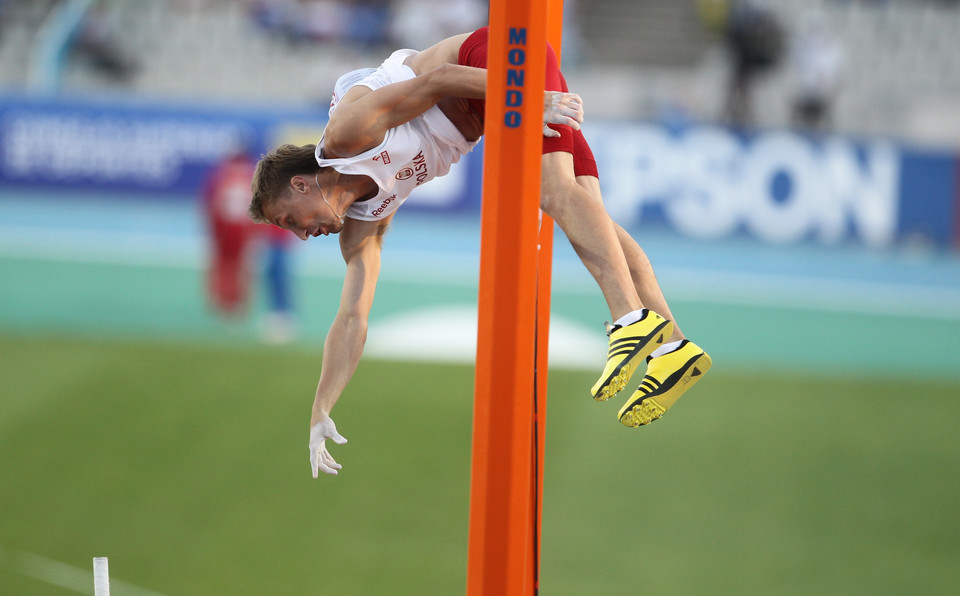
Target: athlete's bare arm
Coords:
[[363, 116], [360, 243], [558, 107], [443, 52]]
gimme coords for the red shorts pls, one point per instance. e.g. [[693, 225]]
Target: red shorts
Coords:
[[473, 52]]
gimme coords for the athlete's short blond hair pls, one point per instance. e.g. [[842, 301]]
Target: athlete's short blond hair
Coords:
[[271, 179]]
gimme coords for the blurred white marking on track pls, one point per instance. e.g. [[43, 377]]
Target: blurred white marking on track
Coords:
[[449, 334]]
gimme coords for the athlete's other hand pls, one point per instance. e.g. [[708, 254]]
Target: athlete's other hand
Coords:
[[320, 459], [561, 108]]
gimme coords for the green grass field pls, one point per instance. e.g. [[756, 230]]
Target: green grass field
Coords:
[[187, 465]]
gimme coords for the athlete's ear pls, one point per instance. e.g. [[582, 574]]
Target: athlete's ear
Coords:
[[300, 184]]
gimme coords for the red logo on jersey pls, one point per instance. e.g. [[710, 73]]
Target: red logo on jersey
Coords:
[[404, 174], [384, 156], [379, 210], [420, 165]]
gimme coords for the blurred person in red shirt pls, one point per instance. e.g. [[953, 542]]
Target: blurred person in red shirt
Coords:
[[226, 195], [235, 244]]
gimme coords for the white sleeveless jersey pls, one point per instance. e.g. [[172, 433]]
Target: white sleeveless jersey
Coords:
[[410, 155]]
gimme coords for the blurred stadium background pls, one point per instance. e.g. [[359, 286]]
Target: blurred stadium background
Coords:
[[790, 166]]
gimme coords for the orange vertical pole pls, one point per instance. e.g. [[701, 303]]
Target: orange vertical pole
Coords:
[[501, 544], [544, 279]]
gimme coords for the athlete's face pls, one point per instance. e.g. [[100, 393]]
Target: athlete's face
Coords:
[[303, 211]]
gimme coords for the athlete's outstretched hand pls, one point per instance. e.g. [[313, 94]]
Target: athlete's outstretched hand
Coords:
[[561, 108], [320, 459]]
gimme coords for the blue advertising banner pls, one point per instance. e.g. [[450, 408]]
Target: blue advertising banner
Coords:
[[123, 146], [930, 196], [705, 182], [777, 186]]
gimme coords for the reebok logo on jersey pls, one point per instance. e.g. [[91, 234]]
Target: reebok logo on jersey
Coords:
[[384, 156], [376, 212]]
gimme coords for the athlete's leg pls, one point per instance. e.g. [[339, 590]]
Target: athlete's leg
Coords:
[[590, 230], [582, 217], [673, 368], [636, 331], [645, 280], [641, 270]]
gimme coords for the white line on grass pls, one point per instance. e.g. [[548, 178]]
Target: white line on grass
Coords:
[[61, 574]]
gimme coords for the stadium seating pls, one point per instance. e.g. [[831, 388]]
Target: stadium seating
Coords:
[[630, 58]]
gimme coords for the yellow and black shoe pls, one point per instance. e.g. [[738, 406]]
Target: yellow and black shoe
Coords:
[[668, 377], [629, 345]]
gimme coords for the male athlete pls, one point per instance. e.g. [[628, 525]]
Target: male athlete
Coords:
[[405, 123]]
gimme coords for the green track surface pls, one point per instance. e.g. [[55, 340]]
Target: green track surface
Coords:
[[121, 300], [187, 465], [820, 455]]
